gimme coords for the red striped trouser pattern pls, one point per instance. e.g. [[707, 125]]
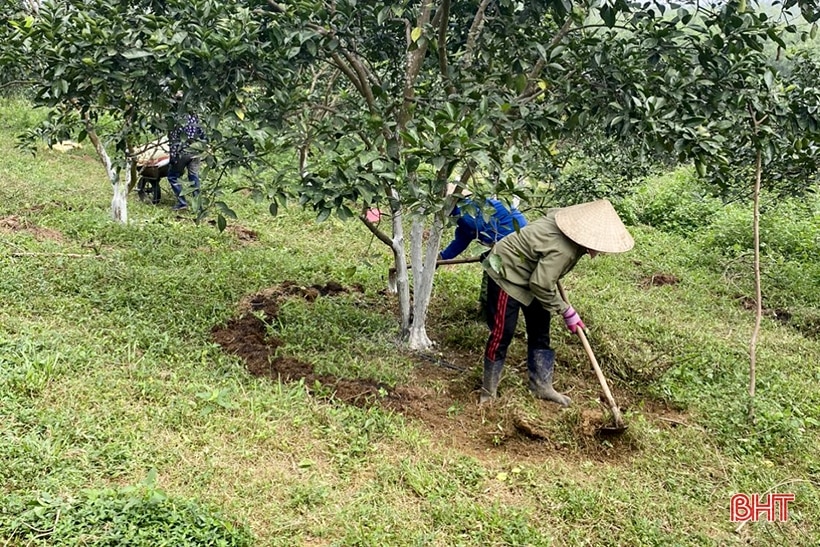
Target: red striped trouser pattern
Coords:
[[498, 327]]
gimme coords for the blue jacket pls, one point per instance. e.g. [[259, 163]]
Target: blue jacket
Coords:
[[469, 228]]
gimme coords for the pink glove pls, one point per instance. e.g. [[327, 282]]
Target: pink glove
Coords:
[[573, 320]]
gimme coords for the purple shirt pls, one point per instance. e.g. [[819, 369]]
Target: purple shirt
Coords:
[[184, 134]]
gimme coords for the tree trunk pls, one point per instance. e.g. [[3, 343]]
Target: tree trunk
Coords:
[[402, 278], [424, 268], [119, 203], [758, 288]]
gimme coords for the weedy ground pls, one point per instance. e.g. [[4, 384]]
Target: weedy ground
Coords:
[[120, 360]]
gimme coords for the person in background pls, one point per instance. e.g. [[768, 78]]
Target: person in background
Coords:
[[524, 270], [182, 141], [488, 231]]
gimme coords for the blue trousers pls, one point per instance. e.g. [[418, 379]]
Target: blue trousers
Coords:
[[185, 162]]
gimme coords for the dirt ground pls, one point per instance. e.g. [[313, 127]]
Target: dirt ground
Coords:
[[442, 393], [14, 223], [244, 235]]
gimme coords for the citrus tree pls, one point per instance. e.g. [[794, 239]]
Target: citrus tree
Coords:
[[392, 100], [714, 92], [109, 70]]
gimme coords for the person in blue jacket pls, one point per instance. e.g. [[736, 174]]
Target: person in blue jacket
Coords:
[[469, 228], [475, 227]]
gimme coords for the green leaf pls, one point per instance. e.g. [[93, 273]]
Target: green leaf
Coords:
[[136, 54], [608, 14], [384, 14], [496, 263], [151, 478], [225, 210], [768, 78], [273, 208], [415, 34], [368, 157], [221, 223], [344, 213]]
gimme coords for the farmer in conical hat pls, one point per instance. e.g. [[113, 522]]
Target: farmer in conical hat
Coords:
[[524, 270]]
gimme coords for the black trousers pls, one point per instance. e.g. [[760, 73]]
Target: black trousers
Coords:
[[502, 318]]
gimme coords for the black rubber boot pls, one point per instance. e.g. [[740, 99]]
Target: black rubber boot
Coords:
[[492, 375], [541, 365]]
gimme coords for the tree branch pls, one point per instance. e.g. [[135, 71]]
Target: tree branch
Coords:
[[362, 73], [539, 66], [98, 146], [16, 82], [443, 18], [408, 28], [601, 25], [374, 229], [349, 72], [475, 30], [276, 7], [414, 60]]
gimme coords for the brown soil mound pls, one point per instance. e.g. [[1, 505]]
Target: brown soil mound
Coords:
[[441, 394], [246, 337], [14, 224], [658, 280], [244, 235]]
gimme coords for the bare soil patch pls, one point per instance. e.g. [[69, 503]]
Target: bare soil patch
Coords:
[[14, 224], [803, 319], [442, 393], [244, 235], [749, 303], [658, 280]]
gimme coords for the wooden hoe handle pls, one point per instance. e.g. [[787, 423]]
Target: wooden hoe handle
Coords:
[[613, 406]]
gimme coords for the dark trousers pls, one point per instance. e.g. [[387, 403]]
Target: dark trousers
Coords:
[[502, 318], [177, 167]]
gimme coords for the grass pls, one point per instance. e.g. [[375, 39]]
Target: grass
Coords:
[[107, 372]]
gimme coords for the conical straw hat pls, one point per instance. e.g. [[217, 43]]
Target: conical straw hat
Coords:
[[595, 226]]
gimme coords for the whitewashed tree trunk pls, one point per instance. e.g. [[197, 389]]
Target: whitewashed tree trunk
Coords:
[[424, 268], [119, 203], [402, 278]]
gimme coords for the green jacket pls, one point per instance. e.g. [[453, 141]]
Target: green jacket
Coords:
[[533, 260]]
